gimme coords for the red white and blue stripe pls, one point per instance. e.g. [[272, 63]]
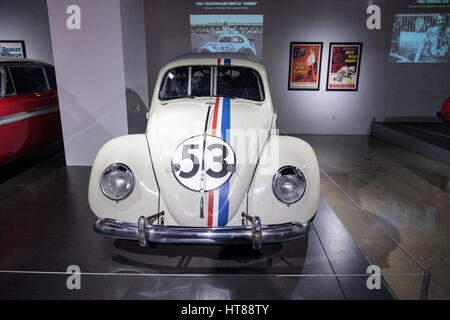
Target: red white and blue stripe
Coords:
[[218, 200], [223, 62]]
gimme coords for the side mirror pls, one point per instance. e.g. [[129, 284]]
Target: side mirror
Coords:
[[2, 82]]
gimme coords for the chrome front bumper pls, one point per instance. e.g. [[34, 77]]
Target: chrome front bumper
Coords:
[[254, 234]]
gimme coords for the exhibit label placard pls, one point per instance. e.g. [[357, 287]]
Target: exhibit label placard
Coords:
[[12, 49], [343, 66], [304, 65]]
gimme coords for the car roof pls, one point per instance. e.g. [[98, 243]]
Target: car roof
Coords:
[[230, 34], [16, 61], [216, 55]]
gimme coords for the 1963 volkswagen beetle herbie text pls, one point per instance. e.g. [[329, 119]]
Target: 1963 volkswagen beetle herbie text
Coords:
[[211, 167]]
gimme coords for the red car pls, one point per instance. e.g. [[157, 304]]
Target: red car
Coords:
[[445, 111], [29, 109]]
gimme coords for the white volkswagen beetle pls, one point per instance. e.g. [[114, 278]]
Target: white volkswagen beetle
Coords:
[[210, 168]]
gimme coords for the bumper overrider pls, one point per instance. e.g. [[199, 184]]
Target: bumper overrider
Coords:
[[255, 233]]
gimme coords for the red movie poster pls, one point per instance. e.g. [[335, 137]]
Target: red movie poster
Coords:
[[304, 70], [343, 66]]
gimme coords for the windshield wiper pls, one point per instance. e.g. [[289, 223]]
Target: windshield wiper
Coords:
[[234, 97], [183, 97]]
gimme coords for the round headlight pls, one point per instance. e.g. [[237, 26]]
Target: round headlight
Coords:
[[289, 184], [117, 181]]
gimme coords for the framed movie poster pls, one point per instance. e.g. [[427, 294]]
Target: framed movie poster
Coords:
[[12, 49], [343, 66], [305, 59]]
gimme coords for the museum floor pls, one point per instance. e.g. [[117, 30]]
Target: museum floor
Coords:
[[405, 194], [381, 205]]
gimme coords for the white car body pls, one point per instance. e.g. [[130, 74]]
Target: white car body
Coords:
[[230, 42], [233, 204]]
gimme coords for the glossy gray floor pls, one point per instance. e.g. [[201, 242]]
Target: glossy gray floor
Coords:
[[46, 226], [382, 192]]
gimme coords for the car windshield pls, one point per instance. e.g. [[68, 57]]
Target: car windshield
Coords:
[[227, 81]]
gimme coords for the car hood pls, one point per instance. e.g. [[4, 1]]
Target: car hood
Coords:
[[174, 123]]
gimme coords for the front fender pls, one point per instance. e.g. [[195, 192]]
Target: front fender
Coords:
[[133, 151], [280, 151]]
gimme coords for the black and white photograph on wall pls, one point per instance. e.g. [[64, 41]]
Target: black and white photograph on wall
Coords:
[[343, 66], [420, 38], [227, 33], [12, 49]]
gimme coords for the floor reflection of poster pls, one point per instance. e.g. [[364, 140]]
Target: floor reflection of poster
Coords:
[[343, 66], [304, 65]]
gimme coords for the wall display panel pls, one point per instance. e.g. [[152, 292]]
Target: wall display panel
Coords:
[[227, 33], [420, 38], [168, 32], [343, 66], [305, 59], [12, 49]]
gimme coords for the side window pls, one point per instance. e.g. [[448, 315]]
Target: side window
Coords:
[[237, 40], [9, 85], [1, 82], [50, 71], [28, 79], [225, 40]]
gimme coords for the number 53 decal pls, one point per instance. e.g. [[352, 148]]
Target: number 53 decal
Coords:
[[218, 163]]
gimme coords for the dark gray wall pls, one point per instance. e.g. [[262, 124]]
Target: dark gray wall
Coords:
[[27, 20], [385, 89]]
